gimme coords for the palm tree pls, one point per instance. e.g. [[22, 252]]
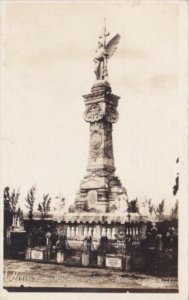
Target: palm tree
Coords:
[[174, 211], [160, 210], [150, 206], [30, 199], [44, 206], [13, 204]]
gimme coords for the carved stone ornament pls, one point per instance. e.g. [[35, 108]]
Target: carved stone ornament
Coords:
[[101, 172], [96, 140], [95, 144], [111, 115], [98, 152], [94, 113], [102, 196], [97, 127]]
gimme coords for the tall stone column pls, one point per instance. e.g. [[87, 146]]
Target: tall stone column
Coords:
[[100, 187]]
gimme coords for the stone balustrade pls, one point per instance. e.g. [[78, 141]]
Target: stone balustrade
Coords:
[[80, 231]]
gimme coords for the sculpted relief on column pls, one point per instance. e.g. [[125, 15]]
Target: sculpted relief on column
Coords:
[[96, 139], [101, 140], [94, 112]]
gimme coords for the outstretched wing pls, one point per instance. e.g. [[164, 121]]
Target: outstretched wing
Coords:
[[112, 45]]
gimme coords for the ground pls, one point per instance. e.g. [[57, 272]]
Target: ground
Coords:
[[32, 274]]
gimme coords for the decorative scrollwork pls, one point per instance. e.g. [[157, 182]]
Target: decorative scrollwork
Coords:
[[94, 113]]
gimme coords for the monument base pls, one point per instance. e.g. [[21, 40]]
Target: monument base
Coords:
[[115, 226]]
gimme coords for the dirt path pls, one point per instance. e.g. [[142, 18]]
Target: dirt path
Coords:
[[32, 274]]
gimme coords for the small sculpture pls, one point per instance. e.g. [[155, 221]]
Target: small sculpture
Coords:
[[103, 53]]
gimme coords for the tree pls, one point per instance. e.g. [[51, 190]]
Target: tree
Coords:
[[7, 208], [10, 204], [6, 198], [160, 210], [174, 211], [132, 206], [150, 206], [44, 206], [30, 200], [14, 201]]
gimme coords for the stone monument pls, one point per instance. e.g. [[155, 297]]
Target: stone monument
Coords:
[[100, 208], [100, 188]]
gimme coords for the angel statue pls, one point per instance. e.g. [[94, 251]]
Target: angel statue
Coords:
[[103, 53]]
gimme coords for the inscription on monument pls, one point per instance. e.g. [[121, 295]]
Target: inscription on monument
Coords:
[[113, 262]]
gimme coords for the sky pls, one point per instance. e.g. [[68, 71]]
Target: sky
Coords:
[[48, 51]]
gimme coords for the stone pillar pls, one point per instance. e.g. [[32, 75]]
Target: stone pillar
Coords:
[[71, 231], [90, 231], [18, 222], [99, 231], [129, 231], [104, 231], [85, 232], [109, 233], [48, 241], [74, 231], [113, 232], [81, 231], [137, 230], [68, 232], [77, 231], [14, 221], [133, 230], [94, 232]]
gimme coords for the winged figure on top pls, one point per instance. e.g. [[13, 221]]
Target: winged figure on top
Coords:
[[103, 53]]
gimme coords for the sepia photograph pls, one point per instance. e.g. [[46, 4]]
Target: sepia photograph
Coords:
[[94, 147]]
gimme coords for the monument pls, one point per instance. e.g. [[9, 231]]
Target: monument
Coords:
[[101, 204], [100, 188]]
